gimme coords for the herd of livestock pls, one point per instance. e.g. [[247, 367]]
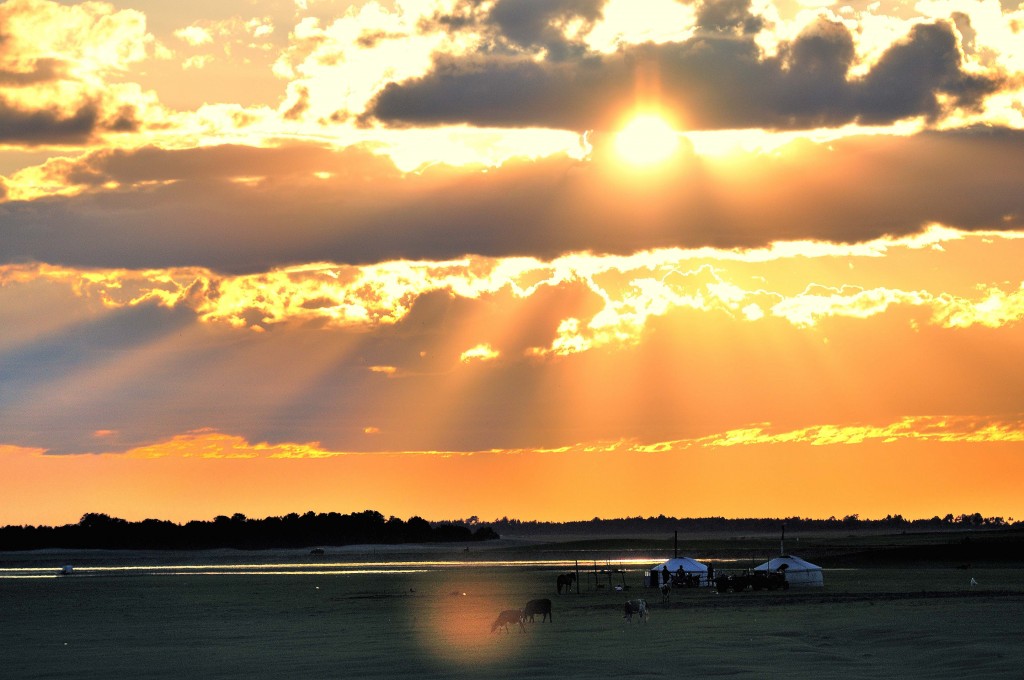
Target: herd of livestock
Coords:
[[724, 583], [518, 617]]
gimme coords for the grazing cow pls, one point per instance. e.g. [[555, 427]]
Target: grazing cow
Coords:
[[566, 580], [542, 607], [638, 607], [509, 616]]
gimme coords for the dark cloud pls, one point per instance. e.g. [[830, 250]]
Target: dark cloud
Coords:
[[464, 14], [223, 163], [46, 127], [43, 71], [301, 105], [370, 39], [728, 16], [718, 79], [911, 75], [812, 89], [512, 26], [125, 120], [505, 92], [823, 53], [533, 23], [182, 208]]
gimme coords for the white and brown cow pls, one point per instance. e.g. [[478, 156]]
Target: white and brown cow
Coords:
[[506, 617], [637, 607]]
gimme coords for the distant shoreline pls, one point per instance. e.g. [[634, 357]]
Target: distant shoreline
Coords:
[[944, 549]]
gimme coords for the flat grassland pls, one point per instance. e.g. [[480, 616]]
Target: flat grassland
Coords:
[[891, 619]]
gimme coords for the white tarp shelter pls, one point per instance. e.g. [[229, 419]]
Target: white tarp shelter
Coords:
[[688, 565], [799, 572]]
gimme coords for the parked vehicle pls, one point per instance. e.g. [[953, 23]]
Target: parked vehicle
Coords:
[[753, 580]]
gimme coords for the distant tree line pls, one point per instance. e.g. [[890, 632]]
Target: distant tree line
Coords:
[[666, 525], [97, 530]]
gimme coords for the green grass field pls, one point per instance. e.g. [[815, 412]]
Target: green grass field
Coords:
[[884, 622]]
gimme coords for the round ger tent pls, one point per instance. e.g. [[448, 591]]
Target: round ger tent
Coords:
[[799, 572], [689, 566]]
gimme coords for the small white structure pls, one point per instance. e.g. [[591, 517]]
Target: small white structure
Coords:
[[690, 567], [799, 572]]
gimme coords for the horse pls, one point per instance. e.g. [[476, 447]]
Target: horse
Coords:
[[566, 580], [542, 607], [638, 607], [509, 616]]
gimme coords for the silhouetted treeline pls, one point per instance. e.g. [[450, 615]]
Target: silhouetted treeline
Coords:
[[97, 530], [666, 525]]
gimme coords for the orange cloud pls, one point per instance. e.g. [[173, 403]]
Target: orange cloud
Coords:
[[946, 429], [632, 290], [481, 352]]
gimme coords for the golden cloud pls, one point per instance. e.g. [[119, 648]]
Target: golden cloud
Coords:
[[208, 443], [629, 291], [947, 429]]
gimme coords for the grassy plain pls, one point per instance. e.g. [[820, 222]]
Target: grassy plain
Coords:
[[884, 621]]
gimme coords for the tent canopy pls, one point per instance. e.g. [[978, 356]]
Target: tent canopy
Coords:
[[798, 571], [689, 565]]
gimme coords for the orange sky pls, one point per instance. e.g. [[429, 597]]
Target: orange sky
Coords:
[[539, 260], [780, 480]]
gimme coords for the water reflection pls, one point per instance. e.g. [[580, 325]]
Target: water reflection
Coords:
[[211, 570], [319, 568]]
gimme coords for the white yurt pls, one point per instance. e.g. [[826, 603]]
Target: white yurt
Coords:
[[799, 572], [689, 566]]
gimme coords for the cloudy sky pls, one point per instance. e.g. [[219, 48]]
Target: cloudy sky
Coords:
[[543, 259]]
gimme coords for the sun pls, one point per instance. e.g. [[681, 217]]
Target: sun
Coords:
[[646, 139]]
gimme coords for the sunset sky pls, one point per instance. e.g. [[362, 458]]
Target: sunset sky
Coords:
[[543, 259]]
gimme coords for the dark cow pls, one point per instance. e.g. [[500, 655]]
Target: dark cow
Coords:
[[506, 617], [638, 607], [566, 580], [542, 607]]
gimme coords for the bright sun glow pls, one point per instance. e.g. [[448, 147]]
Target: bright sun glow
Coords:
[[646, 139]]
